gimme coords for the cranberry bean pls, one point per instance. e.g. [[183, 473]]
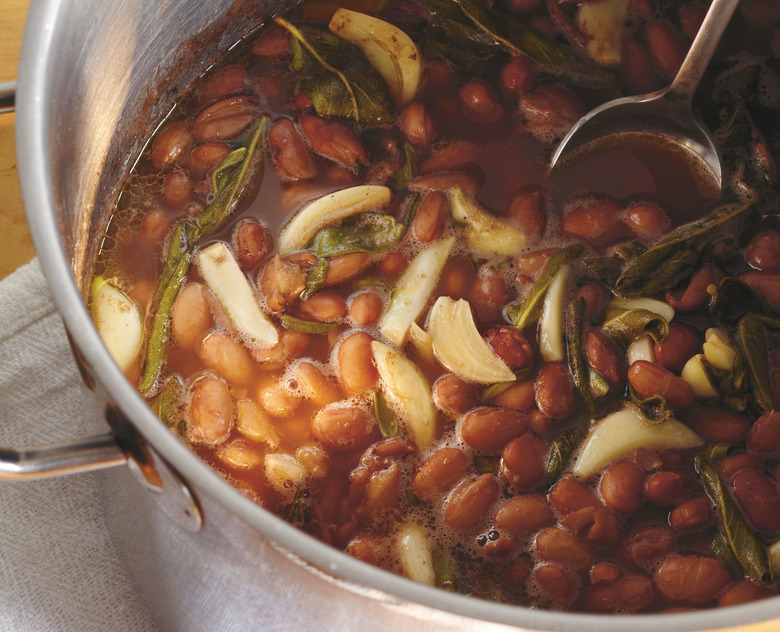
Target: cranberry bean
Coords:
[[469, 502], [745, 591], [763, 251], [666, 48], [345, 267], [717, 424], [273, 42], [531, 263], [759, 498], [224, 82], [554, 391], [480, 102], [488, 296], [596, 222], [595, 298], [764, 437], [669, 487], [154, 225], [605, 572], [190, 316], [343, 427], [735, 463], [334, 140], [637, 69], [691, 579], [278, 400], [382, 489], [226, 357], [526, 207], [366, 308], [603, 356], [650, 379], [630, 593], [211, 411], [647, 220], [695, 295], [440, 471], [599, 526], [170, 144], [692, 515], [364, 548], [523, 462], [177, 190], [252, 242], [281, 283], [691, 17], [622, 487], [550, 106], [356, 363], [557, 545], [523, 515], [291, 159], [428, 222], [456, 279], [225, 119], [206, 156], [511, 346], [767, 284], [648, 460], [648, 546], [555, 584], [490, 429], [517, 76], [417, 125], [453, 395], [520, 396], [324, 307], [393, 263], [315, 385], [571, 495], [462, 155], [679, 346]]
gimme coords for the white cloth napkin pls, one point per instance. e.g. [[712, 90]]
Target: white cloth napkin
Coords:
[[58, 569]]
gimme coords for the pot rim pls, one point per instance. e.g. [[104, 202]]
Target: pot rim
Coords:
[[33, 132]]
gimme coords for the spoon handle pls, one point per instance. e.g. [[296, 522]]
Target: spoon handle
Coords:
[[704, 44]]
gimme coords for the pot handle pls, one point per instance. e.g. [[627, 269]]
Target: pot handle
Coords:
[[7, 97], [56, 459]]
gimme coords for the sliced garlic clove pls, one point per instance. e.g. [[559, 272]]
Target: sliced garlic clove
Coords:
[[118, 322], [482, 231]]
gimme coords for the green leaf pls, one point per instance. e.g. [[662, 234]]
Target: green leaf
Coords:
[[315, 277], [485, 464], [561, 449], [406, 173], [752, 342], [747, 548], [385, 416], [676, 257], [306, 326], [342, 84], [222, 171], [445, 576], [373, 233], [575, 317], [598, 385], [653, 409], [530, 309], [625, 326], [409, 211], [723, 552], [412, 498], [168, 405], [518, 37], [299, 512], [732, 299]]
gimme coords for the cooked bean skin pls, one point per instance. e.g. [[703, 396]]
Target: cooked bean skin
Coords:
[[631, 593], [357, 371], [557, 584], [343, 427], [211, 411], [759, 498], [692, 515], [191, 315], [523, 515], [557, 545], [763, 252], [453, 395], [622, 487], [719, 425], [291, 158], [490, 429], [764, 437], [554, 391], [469, 501], [669, 487], [225, 119], [679, 346], [691, 579], [605, 360], [523, 462], [170, 145], [440, 471], [650, 379]]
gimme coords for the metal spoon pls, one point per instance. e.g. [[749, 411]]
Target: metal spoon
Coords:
[[667, 113]]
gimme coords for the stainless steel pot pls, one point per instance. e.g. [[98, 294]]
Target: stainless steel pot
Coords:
[[95, 78]]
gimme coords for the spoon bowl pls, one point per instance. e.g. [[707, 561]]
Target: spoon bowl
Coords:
[[667, 114]]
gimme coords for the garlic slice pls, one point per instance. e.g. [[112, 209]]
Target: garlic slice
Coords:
[[483, 232], [551, 345], [603, 22], [410, 391], [225, 279], [388, 49], [328, 209], [663, 309], [695, 373], [413, 289], [459, 347], [415, 555], [717, 350], [118, 322], [619, 434]]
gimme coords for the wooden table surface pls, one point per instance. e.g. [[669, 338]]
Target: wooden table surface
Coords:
[[17, 247]]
